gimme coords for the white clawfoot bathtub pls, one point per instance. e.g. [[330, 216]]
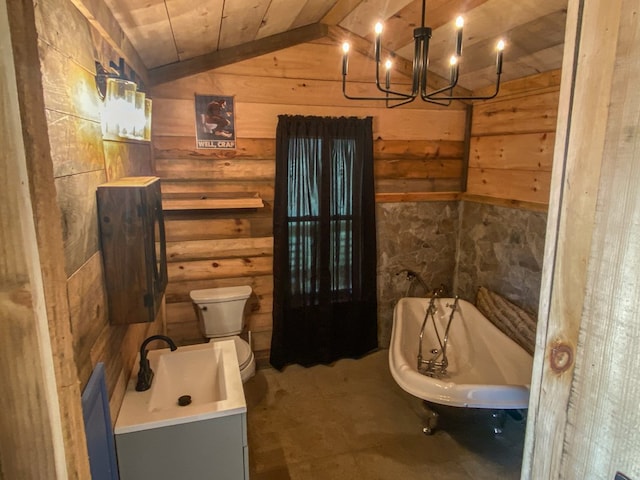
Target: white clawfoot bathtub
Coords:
[[486, 368]]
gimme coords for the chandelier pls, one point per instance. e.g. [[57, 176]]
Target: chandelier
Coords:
[[440, 96]]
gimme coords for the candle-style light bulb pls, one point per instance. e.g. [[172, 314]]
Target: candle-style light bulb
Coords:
[[459, 25], [378, 30], [345, 56], [387, 80], [500, 48], [453, 70]]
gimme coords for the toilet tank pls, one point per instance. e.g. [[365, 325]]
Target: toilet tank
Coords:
[[221, 310]]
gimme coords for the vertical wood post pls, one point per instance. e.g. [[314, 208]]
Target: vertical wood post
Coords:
[[585, 366], [45, 436], [30, 420]]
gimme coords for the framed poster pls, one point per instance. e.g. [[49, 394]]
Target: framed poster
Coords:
[[215, 122]]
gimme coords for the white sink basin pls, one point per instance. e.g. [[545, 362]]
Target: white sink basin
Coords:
[[208, 373]]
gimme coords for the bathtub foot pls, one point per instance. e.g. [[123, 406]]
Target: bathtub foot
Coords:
[[499, 417], [431, 420]]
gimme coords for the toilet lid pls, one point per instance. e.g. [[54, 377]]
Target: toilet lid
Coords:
[[223, 294]]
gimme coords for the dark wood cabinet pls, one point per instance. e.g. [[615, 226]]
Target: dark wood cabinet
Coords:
[[133, 248]]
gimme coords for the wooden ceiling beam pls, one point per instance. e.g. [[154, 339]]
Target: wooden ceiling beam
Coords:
[[339, 11], [227, 56]]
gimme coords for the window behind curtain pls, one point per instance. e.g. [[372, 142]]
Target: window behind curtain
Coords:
[[324, 240], [303, 207]]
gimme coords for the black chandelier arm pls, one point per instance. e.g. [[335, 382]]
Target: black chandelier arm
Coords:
[[435, 102], [388, 91], [388, 105], [421, 39], [431, 96], [426, 96], [442, 103], [387, 88], [401, 98]]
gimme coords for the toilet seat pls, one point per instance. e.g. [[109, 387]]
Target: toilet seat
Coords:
[[244, 352], [246, 359]]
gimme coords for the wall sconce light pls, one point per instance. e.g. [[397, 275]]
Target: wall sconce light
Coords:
[[126, 110]]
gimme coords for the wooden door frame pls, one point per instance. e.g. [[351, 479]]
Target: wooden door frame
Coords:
[[30, 418], [42, 424], [589, 129]]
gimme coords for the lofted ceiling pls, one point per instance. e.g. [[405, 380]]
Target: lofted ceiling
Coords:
[[175, 38]]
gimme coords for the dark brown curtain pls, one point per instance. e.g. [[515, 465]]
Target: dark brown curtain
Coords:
[[324, 303]]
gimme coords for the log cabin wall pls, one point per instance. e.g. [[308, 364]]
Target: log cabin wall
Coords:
[[418, 158], [503, 212], [68, 46], [512, 140]]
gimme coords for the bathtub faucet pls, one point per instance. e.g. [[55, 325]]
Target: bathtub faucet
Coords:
[[446, 332], [414, 280], [145, 374], [436, 366], [430, 312], [410, 273]]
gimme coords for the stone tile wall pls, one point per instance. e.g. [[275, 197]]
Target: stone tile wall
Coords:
[[502, 249], [420, 237], [462, 245]]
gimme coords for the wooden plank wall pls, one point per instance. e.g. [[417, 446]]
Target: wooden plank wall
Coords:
[[512, 139], [68, 46], [418, 155]]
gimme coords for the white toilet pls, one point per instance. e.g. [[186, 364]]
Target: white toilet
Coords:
[[221, 317]]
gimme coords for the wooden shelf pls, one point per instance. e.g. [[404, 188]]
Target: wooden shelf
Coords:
[[210, 200], [417, 197]]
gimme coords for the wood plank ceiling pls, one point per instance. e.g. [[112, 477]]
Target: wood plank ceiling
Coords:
[[179, 37]]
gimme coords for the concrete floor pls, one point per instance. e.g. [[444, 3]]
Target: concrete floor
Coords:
[[351, 421]]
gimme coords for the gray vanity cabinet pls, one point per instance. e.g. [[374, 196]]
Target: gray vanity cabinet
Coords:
[[213, 449]]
